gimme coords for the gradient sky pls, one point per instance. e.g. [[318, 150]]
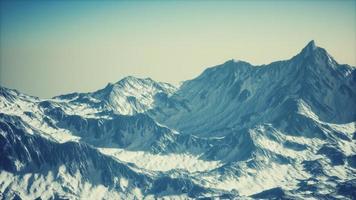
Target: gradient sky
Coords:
[[50, 48]]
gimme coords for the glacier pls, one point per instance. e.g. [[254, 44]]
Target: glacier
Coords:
[[284, 130]]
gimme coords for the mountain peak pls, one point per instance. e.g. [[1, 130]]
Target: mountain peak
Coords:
[[311, 45], [309, 48], [132, 79], [128, 79]]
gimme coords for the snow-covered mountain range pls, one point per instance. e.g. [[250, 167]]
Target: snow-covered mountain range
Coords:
[[285, 130]]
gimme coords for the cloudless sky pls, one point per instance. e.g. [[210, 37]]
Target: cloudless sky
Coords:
[[49, 48]]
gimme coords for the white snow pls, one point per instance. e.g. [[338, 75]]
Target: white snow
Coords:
[[254, 181], [157, 162]]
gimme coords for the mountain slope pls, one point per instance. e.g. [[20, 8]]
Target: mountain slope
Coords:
[[76, 170], [237, 94]]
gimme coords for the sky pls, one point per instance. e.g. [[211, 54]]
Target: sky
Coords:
[[55, 47]]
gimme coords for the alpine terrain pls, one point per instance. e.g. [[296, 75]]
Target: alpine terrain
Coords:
[[285, 130]]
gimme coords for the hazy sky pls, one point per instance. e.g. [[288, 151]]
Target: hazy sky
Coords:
[[51, 48]]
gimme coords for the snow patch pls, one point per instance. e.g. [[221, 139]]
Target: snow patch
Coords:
[[157, 162]]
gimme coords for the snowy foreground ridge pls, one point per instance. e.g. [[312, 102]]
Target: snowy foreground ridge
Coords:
[[285, 130]]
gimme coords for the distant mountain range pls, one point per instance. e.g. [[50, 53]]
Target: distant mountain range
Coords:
[[285, 130]]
